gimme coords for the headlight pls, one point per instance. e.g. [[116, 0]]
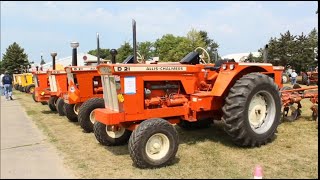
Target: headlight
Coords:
[[224, 66], [232, 66], [72, 89]]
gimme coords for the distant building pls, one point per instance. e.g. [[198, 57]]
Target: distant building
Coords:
[[241, 57], [67, 61]]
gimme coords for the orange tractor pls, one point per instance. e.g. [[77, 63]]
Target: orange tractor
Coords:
[[84, 83], [310, 77], [58, 87], [143, 100], [42, 89], [84, 94]]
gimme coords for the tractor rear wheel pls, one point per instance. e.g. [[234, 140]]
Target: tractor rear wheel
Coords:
[[34, 96], [30, 88], [71, 111], [52, 103], [285, 78], [86, 115], [305, 79], [206, 123], [107, 137], [60, 106], [154, 143], [252, 110]]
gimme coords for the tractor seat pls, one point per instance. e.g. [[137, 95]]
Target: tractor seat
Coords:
[[218, 64]]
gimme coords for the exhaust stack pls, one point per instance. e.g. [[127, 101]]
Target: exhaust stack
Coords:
[[53, 54], [265, 54], [134, 42], [74, 46], [98, 49], [113, 53]]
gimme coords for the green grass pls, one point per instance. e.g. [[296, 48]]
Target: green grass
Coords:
[[207, 153]]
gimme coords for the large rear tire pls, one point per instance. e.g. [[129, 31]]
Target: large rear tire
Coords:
[[305, 79], [154, 143], [285, 78], [252, 110], [60, 106], [86, 116], [52, 103]]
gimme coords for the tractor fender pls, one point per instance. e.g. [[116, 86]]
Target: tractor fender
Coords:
[[227, 78]]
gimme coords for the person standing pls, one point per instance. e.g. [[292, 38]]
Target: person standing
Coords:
[[7, 83], [1, 85], [293, 77]]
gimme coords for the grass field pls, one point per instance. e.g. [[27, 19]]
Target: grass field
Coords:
[[205, 153]]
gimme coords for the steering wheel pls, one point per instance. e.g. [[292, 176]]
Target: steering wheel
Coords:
[[204, 57], [140, 58]]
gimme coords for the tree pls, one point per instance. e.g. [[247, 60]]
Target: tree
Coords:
[[124, 51], [145, 49], [104, 53], [196, 39], [300, 51], [250, 58], [15, 60]]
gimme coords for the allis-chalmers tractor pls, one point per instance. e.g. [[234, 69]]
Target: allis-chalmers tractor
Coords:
[[58, 87], [84, 83], [85, 93], [143, 100], [42, 87]]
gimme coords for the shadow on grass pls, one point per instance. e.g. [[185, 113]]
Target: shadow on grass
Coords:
[[49, 112], [214, 133], [118, 150]]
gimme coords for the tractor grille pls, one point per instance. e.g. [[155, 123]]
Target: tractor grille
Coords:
[[53, 83], [110, 92]]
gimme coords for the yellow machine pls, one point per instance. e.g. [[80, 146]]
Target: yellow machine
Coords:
[[27, 84], [16, 81]]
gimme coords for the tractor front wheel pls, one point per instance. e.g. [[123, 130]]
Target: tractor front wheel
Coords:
[[71, 111], [108, 137], [30, 88], [60, 106], [34, 97], [252, 110], [86, 115], [154, 143], [52, 103]]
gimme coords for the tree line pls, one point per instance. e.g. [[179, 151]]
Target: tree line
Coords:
[[168, 48], [299, 51]]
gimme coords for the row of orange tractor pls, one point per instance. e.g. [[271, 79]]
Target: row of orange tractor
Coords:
[[140, 103]]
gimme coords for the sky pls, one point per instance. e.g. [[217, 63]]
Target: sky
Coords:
[[42, 27]]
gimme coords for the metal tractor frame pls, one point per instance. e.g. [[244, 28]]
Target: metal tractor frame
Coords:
[[291, 96]]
